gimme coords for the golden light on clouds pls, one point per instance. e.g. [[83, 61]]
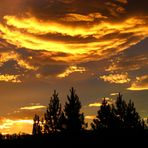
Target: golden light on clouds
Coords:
[[10, 78], [27, 32], [114, 94], [9, 126], [141, 83], [123, 1], [90, 117], [97, 104], [33, 107], [47, 43], [6, 56], [73, 17], [70, 70], [116, 78]]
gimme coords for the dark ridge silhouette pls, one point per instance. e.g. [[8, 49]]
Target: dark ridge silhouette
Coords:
[[115, 125]]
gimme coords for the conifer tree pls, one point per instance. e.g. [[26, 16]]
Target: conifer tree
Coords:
[[52, 114], [37, 129], [74, 119]]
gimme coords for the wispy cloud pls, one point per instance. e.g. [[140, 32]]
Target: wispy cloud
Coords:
[[141, 83], [70, 70], [114, 94], [96, 104], [74, 17], [128, 63], [116, 78], [11, 55], [10, 78], [90, 117], [34, 107]]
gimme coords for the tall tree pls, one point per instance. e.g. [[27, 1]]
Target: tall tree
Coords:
[[52, 114], [105, 117], [120, 110], [62, 122], [120, 115], [37, 128], [132, 118], [74, 119]]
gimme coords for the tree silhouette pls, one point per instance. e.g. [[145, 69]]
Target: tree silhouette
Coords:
[[37, 129], [132, 118], [120, 110], [62, 122], [74, 119], [120, 115], [105, 117], [52, 114]]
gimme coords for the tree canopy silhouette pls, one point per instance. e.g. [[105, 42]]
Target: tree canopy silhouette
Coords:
[[121, 115], [52, 114], [74, 119], [37, 129], [106, 117]]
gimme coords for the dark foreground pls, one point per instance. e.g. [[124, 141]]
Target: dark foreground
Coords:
[[84, 139]]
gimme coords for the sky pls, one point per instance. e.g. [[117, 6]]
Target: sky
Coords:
[[100, 47]]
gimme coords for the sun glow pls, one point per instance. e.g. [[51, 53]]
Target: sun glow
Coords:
[[9, 126]]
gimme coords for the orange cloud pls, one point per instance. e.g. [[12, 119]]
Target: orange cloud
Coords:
[[116, 78], [27, 32], [6, 56], [9, 126], [96, 104], [123, 1], [114, 94], [141, 83], [74, 17], [10, 78], [70, 70], [32, 107], [90, 117]]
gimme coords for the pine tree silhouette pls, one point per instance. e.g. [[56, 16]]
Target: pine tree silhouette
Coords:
[[105, 117], [37, 129], [52, 114], [120, 110], [118, 116], [132, 118], [74, 119], [62, 122]]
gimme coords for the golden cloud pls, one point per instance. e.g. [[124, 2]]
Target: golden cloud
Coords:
[[134, 63], [123, 1], [34, 107], [114, 94], [10, 78], [96, 104], [90, 117], [116, 78], [141, 83], [70, 70], [6, 56], [74, 17], [9, 126], [27, 32]]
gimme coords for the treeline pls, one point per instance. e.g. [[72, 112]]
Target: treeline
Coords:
[[116, 124], [118, 116]]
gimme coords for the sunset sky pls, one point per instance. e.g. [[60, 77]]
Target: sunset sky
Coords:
[[100, 47]]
